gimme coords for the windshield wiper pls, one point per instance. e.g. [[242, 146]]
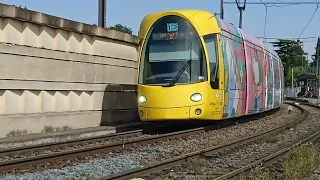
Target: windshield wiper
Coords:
[[174, 80]]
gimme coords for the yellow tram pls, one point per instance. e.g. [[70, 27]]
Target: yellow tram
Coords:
[[187, 69]]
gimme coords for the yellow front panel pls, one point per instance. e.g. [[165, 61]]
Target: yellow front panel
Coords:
[[174, 103], [212, 109], [172, 97], [166, 114], [206, 22]]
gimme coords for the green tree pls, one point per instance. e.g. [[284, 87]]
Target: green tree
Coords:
[[291, 55], [314, 57], [122, 28], [296, 71]]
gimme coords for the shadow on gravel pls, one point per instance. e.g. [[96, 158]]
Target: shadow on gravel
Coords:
[[173, 126], [119, 109]]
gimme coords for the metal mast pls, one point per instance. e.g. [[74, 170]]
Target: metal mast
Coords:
[[102, 13], [241, 9]]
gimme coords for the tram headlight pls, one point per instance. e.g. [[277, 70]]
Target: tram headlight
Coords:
[[196, 97], [142, 99]]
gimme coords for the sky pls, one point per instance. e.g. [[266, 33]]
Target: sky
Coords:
[[282, 22]]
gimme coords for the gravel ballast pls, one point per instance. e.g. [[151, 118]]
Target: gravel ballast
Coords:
[[60, 136], [114, 140], [227, 161], [91, 170], [125, 159]]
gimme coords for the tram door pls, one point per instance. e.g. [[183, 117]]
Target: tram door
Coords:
[[235, 74]]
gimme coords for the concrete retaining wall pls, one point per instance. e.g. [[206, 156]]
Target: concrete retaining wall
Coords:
[[56, 72]]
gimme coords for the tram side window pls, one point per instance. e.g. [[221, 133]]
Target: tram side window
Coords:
[[211, 43]]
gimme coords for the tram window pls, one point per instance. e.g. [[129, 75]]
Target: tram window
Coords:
[[172, 43], [211, 43]]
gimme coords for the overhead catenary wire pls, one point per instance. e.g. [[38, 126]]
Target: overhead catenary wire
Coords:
[[310, 19], [265, 21], [313, 37], [280, 4], [277, 2], [263, 3], [310, 41]]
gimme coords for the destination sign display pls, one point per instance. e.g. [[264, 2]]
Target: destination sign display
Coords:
[[172, 27], [170, 36]]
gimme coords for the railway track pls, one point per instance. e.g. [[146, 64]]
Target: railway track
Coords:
[[15, 158], [21, 157], [271, 158], [29, 157], [163, 169], [278, 155], [127, 139], [66, 151], [155, 167]]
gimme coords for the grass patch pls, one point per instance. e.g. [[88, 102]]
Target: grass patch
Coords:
[[257, 173], [14, 133], [301, 162], [49, 129], [271, 139]]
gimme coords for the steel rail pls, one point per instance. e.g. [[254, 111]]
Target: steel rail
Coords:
[[74, 142], [271, 158], [70, 154], [275, 156], [140, 171], [18, 163], [62, 144]]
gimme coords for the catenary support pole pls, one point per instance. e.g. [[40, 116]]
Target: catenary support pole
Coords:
[[240, 20], [241, 9], [265, 25], [102, 13], [317, 75], [292, 82], [221, 9]]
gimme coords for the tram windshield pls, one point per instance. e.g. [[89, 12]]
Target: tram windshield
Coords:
[[172, 54]]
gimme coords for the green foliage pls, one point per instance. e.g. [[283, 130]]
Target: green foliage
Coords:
[[122, 28], [260, 173], [291, 55], [301, 162], [296, 72], [271, 139], [314, 57]]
